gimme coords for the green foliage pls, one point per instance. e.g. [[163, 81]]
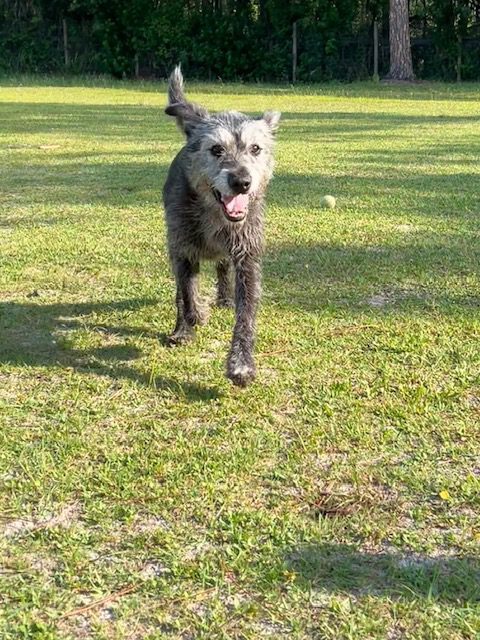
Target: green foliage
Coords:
[[234, 39]]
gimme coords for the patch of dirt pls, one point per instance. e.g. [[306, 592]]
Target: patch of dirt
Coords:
[[319, 599], [235, 600], [267, 628], [68, 516], [324, 461], [411, 559], [45, 565], [107, 614], [406, 228], [201, 549], [395, 633], [473, 401], [79, 628], [380, 300], [198, 608], [384, 298], [153, 570], [149, 524]]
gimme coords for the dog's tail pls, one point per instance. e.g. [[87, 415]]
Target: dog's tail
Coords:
[[188, 114], [175, 86]]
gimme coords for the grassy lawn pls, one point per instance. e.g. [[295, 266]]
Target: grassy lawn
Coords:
[[142, 496]]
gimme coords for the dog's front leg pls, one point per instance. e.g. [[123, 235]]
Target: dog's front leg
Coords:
[[188, 311], [240, 363], [224, 284]]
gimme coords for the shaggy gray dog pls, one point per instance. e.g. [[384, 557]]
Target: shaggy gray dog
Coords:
[[214, 204]]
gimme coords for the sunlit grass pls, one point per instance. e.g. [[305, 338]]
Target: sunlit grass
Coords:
[[307, 506]]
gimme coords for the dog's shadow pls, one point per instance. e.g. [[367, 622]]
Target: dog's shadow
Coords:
[[37, 335]]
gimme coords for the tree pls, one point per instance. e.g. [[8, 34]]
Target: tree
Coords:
[[401, 67]]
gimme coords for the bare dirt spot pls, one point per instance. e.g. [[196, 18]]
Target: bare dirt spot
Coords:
[[65, 518], [107, 614], [197, 551], [149, 524], [385, 298], [380, 300], [44, 565], [406, 228], [395, 633], [270, 629], [473, 401], [79, 628], [153, 569]]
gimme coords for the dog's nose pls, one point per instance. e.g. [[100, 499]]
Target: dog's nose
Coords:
[[239, 183]]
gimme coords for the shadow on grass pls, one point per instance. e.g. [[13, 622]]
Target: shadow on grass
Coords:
[[343, 569], [122, 177], [354, 125], [146, 122], [405, 277], [32, 334], [114, 183]]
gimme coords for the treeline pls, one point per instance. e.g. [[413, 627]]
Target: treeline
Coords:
[[235, 39]]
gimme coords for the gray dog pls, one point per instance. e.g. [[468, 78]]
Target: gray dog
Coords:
[[214, 202]]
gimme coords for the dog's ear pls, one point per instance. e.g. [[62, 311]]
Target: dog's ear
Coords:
[[272, 118]]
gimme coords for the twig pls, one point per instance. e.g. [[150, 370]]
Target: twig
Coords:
[[96, 603]]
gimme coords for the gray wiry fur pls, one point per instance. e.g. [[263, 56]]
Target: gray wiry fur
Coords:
[[200, 226]]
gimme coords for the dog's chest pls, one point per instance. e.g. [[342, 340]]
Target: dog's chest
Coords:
[[216, 240]]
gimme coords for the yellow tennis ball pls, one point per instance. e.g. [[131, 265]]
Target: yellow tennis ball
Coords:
[[328, 202]]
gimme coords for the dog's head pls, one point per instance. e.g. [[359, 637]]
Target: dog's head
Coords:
[[231, 154]]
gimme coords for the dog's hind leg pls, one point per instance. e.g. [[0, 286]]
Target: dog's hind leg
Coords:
[[240, 363], [189, 311], [224, 284]]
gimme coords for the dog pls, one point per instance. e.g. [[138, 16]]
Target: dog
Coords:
[[214, 199]]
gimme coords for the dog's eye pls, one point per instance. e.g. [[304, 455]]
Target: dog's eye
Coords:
[[255, 149], [217, 150]]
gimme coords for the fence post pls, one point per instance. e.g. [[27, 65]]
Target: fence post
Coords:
[[376, 77], [459, 58], [294, 52], [65, 43]]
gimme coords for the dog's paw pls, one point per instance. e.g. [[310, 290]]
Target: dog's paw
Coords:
[[241, 373], [178, 338]]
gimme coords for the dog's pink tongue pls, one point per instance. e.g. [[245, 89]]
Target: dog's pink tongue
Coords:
[[236, 204]]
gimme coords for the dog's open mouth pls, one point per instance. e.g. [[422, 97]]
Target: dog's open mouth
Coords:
[[234, 207]]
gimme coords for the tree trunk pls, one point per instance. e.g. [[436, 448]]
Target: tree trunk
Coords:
[[400, 52]]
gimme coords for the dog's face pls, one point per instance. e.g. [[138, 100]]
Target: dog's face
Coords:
[[230, 156]]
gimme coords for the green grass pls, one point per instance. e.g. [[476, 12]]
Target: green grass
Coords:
[[308, 505]]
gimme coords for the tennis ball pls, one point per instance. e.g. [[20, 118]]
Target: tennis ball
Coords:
[[328, 202]]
